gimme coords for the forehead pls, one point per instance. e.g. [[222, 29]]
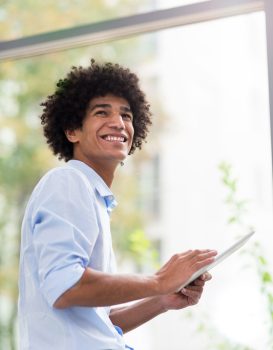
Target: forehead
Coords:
[[109, 99]]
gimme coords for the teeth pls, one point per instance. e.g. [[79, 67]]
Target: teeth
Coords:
[[114, 138]]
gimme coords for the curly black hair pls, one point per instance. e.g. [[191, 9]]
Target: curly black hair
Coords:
[[66, 108]]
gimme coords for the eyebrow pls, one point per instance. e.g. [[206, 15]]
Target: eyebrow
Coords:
[[107, 105]]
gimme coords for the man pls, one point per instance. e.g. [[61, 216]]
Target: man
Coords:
[[68, 284]]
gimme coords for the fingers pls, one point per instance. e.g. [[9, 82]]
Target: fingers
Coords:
[[201, 254], [193, 293], [194, 290], [181, 267], [199, 258], [200, 281], [196, 255], [203, 258], [205, 277]]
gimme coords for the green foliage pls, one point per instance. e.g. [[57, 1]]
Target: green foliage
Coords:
[[142, 249], [237, 207], [129, 219]]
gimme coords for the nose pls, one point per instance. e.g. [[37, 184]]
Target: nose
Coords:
[[117, 122]]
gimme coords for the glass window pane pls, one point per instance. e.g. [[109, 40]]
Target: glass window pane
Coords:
[[19, 19], [207, 84], [214, 89], [25, 18]]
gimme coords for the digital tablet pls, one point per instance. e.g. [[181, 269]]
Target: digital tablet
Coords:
[[219, 258]]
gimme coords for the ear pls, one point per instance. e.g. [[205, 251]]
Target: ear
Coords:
[[72, 135]]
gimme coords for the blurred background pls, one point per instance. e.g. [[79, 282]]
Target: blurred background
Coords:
[[203, 179]]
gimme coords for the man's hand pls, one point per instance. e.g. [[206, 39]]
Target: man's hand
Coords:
[[181, 267], [188, 296]]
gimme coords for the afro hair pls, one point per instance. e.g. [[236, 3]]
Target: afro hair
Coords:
[[67, 107]]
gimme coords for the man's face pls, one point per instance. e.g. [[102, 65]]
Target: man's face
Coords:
[[107, 131]]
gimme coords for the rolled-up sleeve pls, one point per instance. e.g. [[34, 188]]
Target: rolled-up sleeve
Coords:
[[65, 230]]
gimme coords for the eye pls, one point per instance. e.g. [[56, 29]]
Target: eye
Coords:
[[126, 116], [101, 113]]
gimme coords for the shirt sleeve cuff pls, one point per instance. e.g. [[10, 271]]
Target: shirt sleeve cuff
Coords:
[[53, 289]]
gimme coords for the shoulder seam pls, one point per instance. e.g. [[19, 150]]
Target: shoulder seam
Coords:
[[83, 177]]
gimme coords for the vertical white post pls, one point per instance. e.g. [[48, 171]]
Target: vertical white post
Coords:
[[268, 6]]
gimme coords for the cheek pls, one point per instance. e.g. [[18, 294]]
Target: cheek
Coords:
[[132, 132], [89, 135]]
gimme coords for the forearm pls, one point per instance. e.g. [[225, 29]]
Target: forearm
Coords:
[[134, 315], [99, 289]]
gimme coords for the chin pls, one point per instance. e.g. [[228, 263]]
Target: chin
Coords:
[[119, 159]]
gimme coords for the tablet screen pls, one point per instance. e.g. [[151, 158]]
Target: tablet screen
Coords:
[[220, 257]]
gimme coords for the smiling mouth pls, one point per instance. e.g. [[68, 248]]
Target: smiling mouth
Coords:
[[111, 138]]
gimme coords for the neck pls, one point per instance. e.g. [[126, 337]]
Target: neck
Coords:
[[105, 170]]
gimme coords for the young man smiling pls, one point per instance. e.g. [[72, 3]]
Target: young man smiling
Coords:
[[106, 136], [68, 281]]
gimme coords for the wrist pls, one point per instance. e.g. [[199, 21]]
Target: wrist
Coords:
[[163, 303], [159, 303], [155, 286]]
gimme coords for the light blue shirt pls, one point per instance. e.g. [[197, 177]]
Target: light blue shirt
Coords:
[[65, 229]]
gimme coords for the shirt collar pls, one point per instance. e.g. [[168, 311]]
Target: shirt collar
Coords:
[[96, 181]]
